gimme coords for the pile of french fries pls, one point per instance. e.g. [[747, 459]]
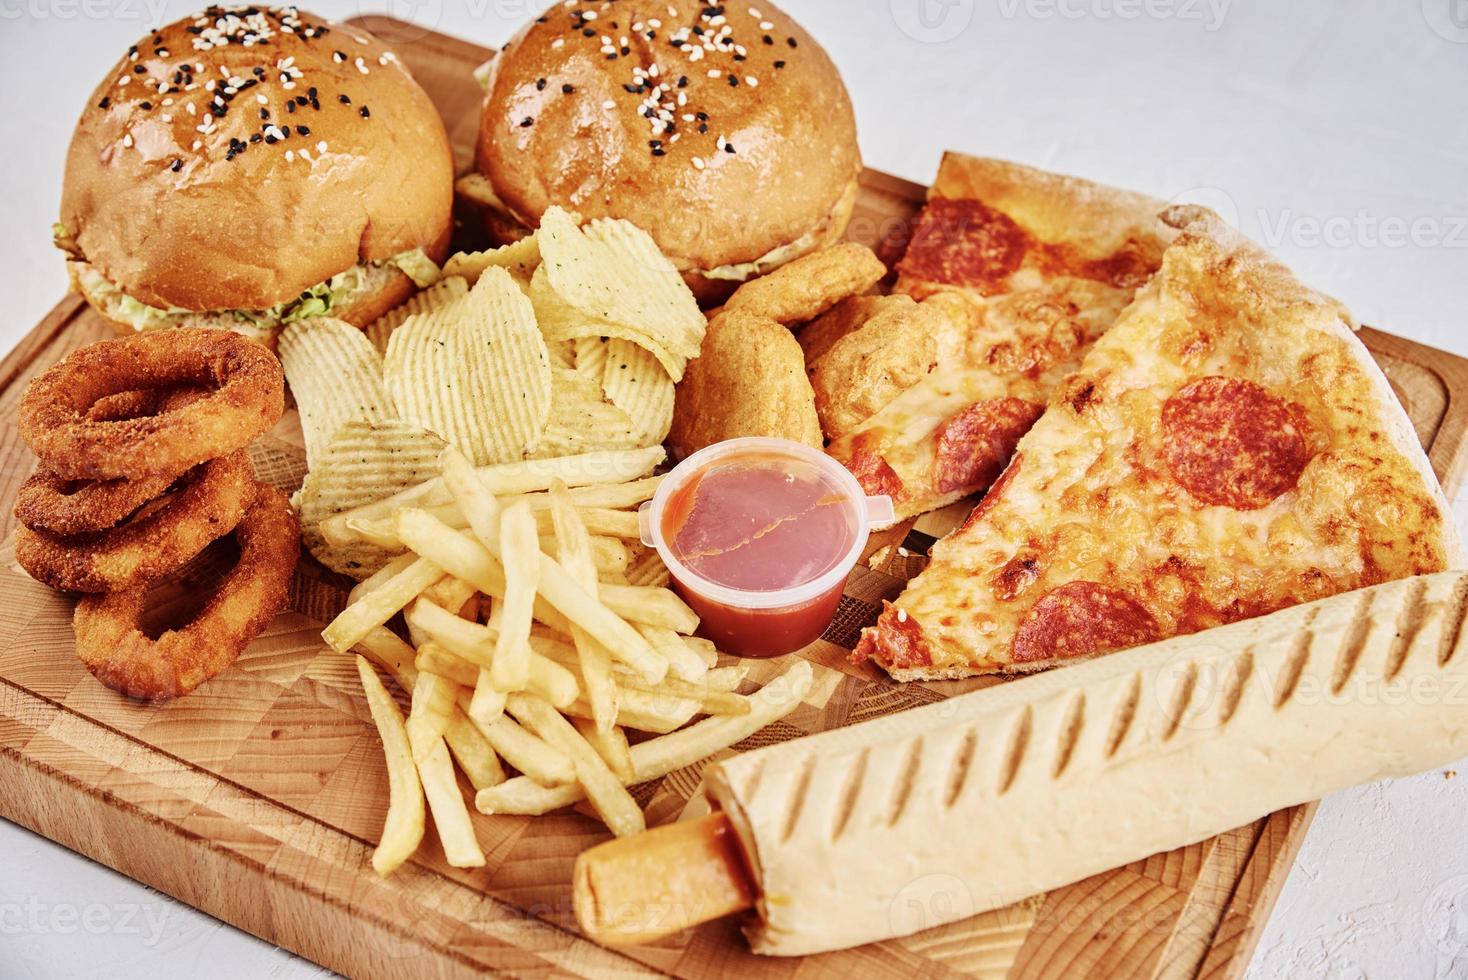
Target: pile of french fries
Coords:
[[531, 649]]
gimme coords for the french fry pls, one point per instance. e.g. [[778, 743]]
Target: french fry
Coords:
[[472, 751], [683, 663], [380, 605], [611, 745], [705, 650], [596, 662], [642, 711], [402, 832], [433, 704], [652, 606], [389, 652], [520, 556], [472, 561], [445, 801], [726, 678], [657, 757], [608, 796], [614, 496], [377, 578], [596, 469], [488, 702], [538, 761], [433, 658], [450, 593], [475, 642]]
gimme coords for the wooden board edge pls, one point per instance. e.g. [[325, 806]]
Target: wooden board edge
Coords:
[[1449, 449], [1270, 864], [302, 913], [24, 354]]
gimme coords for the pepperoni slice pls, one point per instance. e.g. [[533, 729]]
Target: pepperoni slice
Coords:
[[1082, 619], [995, 494], [896, 641], [873, 472], [976, 443], [1231, 443], [964, 243]]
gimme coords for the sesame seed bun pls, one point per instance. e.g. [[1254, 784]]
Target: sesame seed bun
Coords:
[[210, 211], [786, 188]]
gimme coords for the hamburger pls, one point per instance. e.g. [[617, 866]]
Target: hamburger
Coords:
[[249, 167], [723, 131]]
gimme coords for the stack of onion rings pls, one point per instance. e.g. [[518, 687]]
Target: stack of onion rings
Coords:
[[143, 464], [111, 642], [246, 395], [210, 501]]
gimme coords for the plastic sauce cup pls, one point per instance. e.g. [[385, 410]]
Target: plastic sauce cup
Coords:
[[760, 536]]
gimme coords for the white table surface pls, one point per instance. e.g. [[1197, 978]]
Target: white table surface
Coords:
[[1336, 133]]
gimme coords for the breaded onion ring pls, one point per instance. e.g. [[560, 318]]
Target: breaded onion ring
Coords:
[[111, 642], [46, 502], [211, 502], [246, 397]]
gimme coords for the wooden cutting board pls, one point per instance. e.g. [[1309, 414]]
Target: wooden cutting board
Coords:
[[258, 798]]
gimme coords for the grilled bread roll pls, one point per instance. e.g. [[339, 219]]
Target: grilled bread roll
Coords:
[[900, 824]]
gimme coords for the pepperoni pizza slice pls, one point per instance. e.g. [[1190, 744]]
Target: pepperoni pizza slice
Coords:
[[1046, 263], [1227, 450]]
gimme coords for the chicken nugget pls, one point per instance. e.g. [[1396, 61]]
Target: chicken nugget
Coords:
[[811, 285]]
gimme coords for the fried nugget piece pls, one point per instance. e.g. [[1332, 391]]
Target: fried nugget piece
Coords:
[[846, 317], [748, 380], [865, 370], [811, 285]]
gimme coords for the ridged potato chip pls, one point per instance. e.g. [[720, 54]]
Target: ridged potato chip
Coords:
[[613, 271], [562, 354], [520, 259], [582, 420], [477, 372], [591, 356], [441, 293], [635, 382], [336, 377], [363, 463], [560, 320], [646, 568]]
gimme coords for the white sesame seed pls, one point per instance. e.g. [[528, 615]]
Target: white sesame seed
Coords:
[[262, 100], [589, 15], [765, 25], [195, 145], [361, 66], [715, 73], [305, 154], [127, 139], [751, 81], [655, 24], [902, 615], [698, 163], [191, 109], [321, 147], [559, 42], [290, 156], [167, 118], [609, 104]]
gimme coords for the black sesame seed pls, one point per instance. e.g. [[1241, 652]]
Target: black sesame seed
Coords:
[[145, 106], [634, 89], [104, 103], [682, 81], [176, 165], [733, 81], [344, 100], [542, 20], [654, 143], [728, 147], [792, 42], [138, 69], [310, 94], [660, 152], [568, 89], [255, 138], [264, 113], [768, 39], [703, 127], [303, 130], [779, 64], [363, 112], [258, 72], [540, 85], [271, 140], [588, 32], [285, 132], [527, 122], [290, 107]]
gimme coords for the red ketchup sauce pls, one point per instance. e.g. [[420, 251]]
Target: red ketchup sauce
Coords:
[[760, 523]]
